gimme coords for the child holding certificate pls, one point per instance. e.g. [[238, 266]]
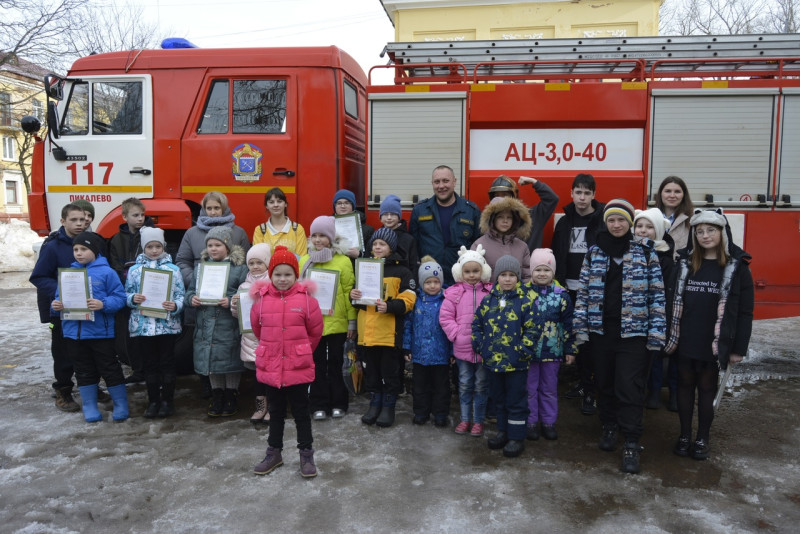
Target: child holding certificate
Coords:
[[156, 329], [328, 251], [90, 343], [380, 329], [257, 264], [216, 334], [288, 323]]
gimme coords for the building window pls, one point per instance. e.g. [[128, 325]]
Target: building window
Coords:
[[9, 149], [38, 110], [12, 192], [5, 109]]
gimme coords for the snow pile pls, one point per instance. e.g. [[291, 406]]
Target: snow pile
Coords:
[[16, 242]]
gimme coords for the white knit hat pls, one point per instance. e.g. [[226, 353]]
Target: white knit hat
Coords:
[[660, 225], [465, 256]]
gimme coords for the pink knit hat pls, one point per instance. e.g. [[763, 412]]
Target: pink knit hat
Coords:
[[326, 225], [543, 256]]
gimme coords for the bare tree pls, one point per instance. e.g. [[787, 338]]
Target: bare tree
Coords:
[[728, 17], [783, 16]]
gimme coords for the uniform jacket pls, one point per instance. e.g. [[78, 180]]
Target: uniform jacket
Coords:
[[124, 248], [513, 243], [386, 329], [194, 242], [289, 326], [344, 314], [503, 331], [55, 253], [735, 313], [540, 213], [216, 332], [407, 247], [643, 300], [295, 239], [427, 231], [423, 336], [249, 342], [552, 312], [142, 325], [106, 287], [561, 235], [461, 300]]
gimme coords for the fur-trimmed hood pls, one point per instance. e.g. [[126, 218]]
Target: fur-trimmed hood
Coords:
[[237, 255], [521, 227], [340, 245]]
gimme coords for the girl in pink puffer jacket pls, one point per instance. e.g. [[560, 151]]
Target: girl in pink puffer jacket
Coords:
[[288, 323], [471, 274]]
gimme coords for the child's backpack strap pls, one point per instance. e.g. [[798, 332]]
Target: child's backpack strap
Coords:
[[294, 227], [263, 227]]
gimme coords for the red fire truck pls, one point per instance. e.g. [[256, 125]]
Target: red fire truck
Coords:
[[169, 125], [721, 112]]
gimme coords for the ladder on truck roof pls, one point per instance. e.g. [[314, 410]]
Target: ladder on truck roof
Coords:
[[607, 56]]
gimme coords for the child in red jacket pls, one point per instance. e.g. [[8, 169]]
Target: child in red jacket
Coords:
[[287, 321]]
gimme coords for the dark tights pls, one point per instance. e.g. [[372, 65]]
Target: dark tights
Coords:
[[702, 377]]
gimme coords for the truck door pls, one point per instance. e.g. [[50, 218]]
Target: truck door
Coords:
[[104, 148], [243, 142]]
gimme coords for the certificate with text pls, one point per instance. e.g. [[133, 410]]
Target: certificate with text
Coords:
[[212, 281], [156, 286], [369, 280], [327, 286], [245, 305], [349, 227], [73, 290]]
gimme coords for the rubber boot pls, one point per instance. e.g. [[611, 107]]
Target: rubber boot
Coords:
[[119, 395], [167, 406], [153, 399], [375, 404], [89, 401], [386, 418]]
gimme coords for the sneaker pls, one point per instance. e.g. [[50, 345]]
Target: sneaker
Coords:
[[319, 415], [588, 406], [477, 430], [420, 419], [608, 442], [575, 393], [308, 468], [337, 413], [270, 462], [533, 432], [630, 457], [682, 446], [462, 427], [549, 432], [700, 449], [513, 448]]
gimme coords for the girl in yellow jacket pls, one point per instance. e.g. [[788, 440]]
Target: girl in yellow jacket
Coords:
[[279, 229]]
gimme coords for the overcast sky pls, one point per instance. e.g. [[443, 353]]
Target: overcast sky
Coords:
[[360, 27]]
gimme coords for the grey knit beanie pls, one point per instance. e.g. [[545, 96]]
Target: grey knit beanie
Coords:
[[508, 263]]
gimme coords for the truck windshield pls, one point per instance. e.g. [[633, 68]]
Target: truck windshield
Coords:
[[116, 109]]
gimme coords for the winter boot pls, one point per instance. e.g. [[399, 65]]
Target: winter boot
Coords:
[[89, 401], [549, 431], [167, 406], [630, 457], [64, 400], [653, 401], [533, 432], [153, 400], [230, 405], [217, 402], [386, 418], [119, 396], [375, 404], [307, 467], [513, 448], [261, 411], [270, 462], [498, 441], [608, 442]]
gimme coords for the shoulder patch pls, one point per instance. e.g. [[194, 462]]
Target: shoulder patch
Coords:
[[425, 218]]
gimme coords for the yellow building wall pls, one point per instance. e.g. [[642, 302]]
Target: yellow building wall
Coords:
[[523, 20]]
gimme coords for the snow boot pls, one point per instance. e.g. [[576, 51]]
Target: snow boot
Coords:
[[533, 432], [261, 411], [498, 441], [630, 457], [153, 400], [549, 431], [375, 404], [513, 448], [230, 405], [270, 462], [608, 442], [89, 401], [307, 467], [386, 418], [119, 395], [167, 406], [217, 402], [653, 401], [64, 400]]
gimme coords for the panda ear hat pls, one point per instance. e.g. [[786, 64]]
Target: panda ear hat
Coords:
[[465, 256], [715, 217]]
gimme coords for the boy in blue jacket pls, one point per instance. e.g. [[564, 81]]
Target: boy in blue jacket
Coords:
[[90, 343]]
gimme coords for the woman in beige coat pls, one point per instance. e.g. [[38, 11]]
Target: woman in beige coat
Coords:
[[675, 203]]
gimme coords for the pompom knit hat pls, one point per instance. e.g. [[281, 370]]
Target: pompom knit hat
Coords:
[[387, 235], [430, 269], [508, 263], [221, 233], [391, 204], [90, 240], [465, 256], [325, 225], [344, 194], [149, 234], [260, 251], [715, 217], [283, 256], [543, 256], [619, 206]]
